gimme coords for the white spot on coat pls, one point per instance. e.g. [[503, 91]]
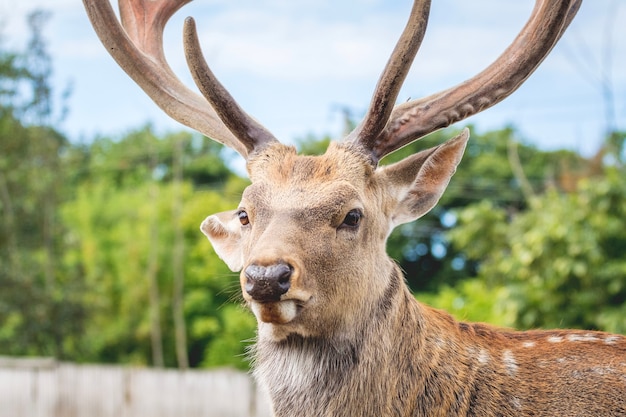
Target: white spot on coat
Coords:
[[516, 403], [483, 356], [582, 338], [510, 364]]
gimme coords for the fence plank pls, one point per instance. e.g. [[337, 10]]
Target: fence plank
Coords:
[[50, 389]]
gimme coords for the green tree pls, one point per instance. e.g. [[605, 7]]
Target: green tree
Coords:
[[36, 296], [560, 263], [134, 224], [131, 159]]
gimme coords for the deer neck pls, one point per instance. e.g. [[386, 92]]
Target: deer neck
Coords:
[[315, 376]]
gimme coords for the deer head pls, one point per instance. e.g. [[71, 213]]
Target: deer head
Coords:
[[309, 234]]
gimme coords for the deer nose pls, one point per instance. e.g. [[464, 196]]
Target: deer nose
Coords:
[[267, 283]]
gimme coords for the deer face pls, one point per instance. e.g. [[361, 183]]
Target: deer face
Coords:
[[309, 234]]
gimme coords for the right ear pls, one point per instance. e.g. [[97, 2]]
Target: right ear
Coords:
[[419, 180], [224, 233]]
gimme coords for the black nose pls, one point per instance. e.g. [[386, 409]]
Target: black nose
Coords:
[[268, 283]]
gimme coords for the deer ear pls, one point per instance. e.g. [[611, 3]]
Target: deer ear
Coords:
[[420, 179], [224, 233]]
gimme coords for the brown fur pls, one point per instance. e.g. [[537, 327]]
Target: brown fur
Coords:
[[359, 343]]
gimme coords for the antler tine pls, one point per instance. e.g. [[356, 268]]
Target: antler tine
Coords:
[[248, 130], [394, 74], [137, 47], [414, 119]]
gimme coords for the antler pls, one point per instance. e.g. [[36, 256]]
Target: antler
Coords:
[[137, 46], [383, 130], [393, 76]]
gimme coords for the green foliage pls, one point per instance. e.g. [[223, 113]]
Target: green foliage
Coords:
[[422, 248], [12, 73], [36, 296], [141, 155], [234, 338], [122, 223], [475, 300], [562, 259]]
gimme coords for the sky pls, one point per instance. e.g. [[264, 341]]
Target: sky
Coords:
[[295, 66]]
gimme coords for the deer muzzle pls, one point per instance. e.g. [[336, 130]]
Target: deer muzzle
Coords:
[[266, 284]]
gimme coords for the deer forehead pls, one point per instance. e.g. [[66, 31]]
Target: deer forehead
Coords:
[[283, 179], [320, 200], [280, 163]]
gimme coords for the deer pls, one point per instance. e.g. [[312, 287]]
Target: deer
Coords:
[[339, 332]]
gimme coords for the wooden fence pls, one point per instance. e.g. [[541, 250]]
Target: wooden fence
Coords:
[[46, 388]]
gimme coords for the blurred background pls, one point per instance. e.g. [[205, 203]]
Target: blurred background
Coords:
[[101, 195]]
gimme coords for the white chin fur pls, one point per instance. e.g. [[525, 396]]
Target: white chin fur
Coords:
[[281, 312]]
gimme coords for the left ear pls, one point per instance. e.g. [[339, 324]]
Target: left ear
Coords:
[[224, 232], [419, 180]]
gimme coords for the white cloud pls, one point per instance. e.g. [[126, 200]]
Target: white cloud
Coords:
[[266, 43]]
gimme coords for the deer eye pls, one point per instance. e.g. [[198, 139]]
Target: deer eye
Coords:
[[243, 217], [352, 219]]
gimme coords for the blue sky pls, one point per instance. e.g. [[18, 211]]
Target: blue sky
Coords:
[[294, 65]]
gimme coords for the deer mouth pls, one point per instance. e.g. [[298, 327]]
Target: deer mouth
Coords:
[[277, 312]]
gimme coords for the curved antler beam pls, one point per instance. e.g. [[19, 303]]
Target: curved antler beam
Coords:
[[252, 134], [137, 47], [415, 119]]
